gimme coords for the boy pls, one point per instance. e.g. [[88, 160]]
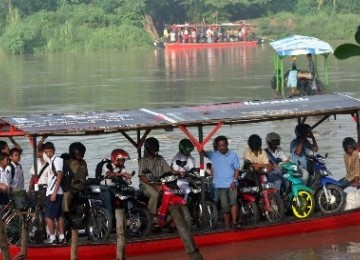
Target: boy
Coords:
[[4, 185], [352, 163], [16, 173]]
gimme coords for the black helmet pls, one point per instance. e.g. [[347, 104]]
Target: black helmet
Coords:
[[302, 130], [254, 142], [76, 147], [273, 137], [349, 142], [186, 146], [152, 144]]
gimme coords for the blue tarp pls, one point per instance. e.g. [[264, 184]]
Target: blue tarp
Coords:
[[300, 45]]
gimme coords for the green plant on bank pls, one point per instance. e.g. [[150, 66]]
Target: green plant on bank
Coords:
[[348, 50]]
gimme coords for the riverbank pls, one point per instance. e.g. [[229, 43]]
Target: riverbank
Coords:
[[33, 35]]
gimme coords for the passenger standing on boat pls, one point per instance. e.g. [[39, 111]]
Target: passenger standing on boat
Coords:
[[275, 155], [312, 69], [5, 148], [43, 169], [16, 173], [193, 35], [226, 167], [78, 168], [172, 35], [54, 194], [166, 34], [184, 162], [209, 35], [352, 163], [151, 166], [4, 185], [300, 147], [186, 36]]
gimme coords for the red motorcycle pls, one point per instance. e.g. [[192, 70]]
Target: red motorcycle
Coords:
[[268, 199], [170, 195]]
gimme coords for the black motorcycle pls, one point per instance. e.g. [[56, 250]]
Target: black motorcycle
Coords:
[[138, 219], [87, 212]]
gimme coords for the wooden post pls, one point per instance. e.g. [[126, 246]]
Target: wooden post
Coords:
[[185, 233], [74, 243], [4, 246], [120, 234], [24, 235]]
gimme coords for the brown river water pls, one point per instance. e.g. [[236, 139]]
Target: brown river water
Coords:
[[150, 78]]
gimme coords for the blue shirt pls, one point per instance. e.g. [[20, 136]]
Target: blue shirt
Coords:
[[302, 156], [224, 166]]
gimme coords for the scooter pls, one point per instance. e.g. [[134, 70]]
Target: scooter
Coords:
[[329, 194], [297, 196]]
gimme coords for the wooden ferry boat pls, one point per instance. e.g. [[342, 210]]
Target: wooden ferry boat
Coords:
[[142, 121]]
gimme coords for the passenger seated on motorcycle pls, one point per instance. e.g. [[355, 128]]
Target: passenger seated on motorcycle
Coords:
[[256, 155], [116, 168], [300, 147], [352, 163], [275, 155], [152, 166], [183, 162], [4, 185]]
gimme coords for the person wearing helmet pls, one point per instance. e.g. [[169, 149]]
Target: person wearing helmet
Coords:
[[255, 154], [151, 166], [116, 168], [300, 147], [225, 165], [352, 163], [183, 162], [275, 155]]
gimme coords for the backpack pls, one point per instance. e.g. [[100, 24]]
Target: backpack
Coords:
[[67, 174], [12, 170], [100, 165]]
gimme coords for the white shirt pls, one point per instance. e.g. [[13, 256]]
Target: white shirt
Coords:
[[43, 178], [51, 177], [18, 180], [279, 153], [115, 169], [3, 177], [190, 162]]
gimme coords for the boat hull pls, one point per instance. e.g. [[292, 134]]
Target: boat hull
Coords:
[[165, 244], [180, 46]]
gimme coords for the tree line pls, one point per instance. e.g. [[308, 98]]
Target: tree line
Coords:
[[65, 25]]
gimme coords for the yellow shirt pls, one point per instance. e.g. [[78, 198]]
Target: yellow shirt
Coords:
[[352, 165], [261, 158]]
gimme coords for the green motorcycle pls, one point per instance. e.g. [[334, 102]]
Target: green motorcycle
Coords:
[[297, 196]]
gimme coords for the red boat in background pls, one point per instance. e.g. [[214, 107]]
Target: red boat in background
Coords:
[[185, 36]]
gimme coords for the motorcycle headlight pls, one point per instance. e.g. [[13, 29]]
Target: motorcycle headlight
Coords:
[[325, 172], [120, 196]]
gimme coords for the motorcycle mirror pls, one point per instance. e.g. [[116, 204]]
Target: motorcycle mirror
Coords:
[[326, 155], [181, 163], [132, 173], [209, 166]]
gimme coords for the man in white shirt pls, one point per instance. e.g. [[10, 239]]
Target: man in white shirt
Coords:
[[4, 185]]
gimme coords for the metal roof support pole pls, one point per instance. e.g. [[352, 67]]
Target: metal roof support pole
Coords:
[[202, 171], [282, 78], [140, 141], [326, 67]]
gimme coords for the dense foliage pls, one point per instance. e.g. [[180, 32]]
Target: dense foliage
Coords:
[[57, 25]]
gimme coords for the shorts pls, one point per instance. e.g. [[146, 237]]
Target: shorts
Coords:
[[228, 197], [53, 209]]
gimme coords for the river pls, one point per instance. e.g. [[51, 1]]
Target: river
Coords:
[[117, 80]]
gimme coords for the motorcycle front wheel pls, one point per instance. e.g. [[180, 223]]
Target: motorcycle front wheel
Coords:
[[277, 209], [249, 213], [138, 222], [306, 204], [100, 228], [207, 215], [336, 202]]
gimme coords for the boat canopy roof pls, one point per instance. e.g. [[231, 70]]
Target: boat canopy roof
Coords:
[[300, 45], [203, 25], [91, 123]]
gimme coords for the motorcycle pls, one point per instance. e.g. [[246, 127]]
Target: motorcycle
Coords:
[[248, 210], [297, 197], [170, 195], [268, 199], [138, 219], [329, 194], [205, 215], [87, 212]]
